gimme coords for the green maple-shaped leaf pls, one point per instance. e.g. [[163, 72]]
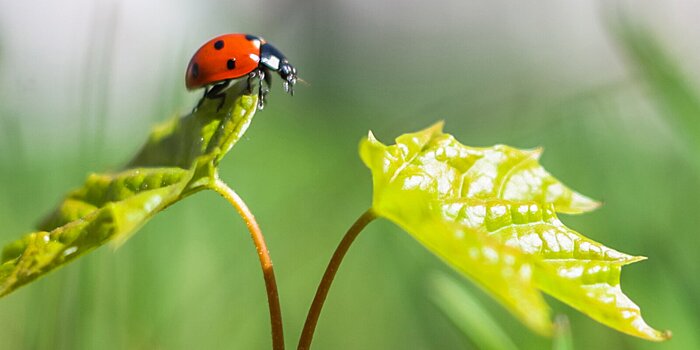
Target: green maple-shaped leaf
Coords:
[[491, 214], [179, 159]]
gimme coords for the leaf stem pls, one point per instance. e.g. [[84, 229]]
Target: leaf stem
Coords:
[[307, 333], [265, 261]]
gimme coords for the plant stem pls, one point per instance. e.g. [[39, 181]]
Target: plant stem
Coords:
[[322, 292], [265, 261]]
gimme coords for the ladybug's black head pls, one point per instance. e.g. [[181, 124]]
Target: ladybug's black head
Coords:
[[274, 60], [289, 76]]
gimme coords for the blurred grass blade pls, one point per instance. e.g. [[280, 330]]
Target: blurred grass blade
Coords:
[[180, 158], [467, 314], [491, 214], [562, 339], [671, 89]]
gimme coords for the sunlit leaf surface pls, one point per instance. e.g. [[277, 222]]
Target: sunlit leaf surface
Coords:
[[179, 159], [491, 214]]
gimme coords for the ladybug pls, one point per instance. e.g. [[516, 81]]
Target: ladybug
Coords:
[[232, 56]]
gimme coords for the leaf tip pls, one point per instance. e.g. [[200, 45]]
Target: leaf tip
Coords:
[[435, 129], [582, 204], [537, 152], [655, 335], [371, 137], [438, 126], [591, 204], [635, 259]]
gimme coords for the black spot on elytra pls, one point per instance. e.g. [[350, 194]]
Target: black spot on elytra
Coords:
[[195, 70], [231, 63], [219, 44], [251, 37]]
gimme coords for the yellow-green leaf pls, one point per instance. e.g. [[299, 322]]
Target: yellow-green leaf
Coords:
[[179, 158], [491, 214]]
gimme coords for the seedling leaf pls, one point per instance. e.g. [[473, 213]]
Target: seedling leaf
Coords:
[[490, 213], [179, 159]]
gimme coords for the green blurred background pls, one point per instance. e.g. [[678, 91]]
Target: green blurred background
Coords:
[[607, 88]]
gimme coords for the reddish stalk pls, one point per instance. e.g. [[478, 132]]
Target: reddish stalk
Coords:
[[265, 261], [322, 292]]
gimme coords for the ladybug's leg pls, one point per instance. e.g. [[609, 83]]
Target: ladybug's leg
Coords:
[[262, 89], [268, 81], [251, 76], [216, 93], [201, 100]]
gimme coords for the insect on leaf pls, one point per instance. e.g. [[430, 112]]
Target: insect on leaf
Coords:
[[179, 159], [490, 213]]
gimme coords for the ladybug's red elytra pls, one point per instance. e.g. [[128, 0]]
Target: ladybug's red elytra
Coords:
[[232, 56]]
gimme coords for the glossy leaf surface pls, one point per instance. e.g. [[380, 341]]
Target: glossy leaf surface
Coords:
[[491, 214], [179, 158]]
